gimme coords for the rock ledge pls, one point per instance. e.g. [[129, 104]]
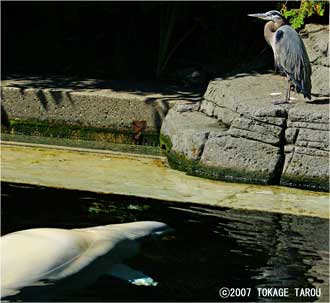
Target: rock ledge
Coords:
[[237, 134]]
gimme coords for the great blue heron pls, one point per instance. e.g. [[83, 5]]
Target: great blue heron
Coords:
[[290, 54]]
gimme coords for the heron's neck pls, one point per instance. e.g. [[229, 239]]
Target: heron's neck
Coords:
[[270, 28]]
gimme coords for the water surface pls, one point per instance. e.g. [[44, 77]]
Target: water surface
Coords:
[[211, 248]]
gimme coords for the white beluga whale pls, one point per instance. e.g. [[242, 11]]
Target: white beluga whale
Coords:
[[48, 261]]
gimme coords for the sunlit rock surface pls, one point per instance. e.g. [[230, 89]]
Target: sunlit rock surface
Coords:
[[261, 142], [316, 39]]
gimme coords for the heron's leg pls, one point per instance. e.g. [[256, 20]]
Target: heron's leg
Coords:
[[287, 95]]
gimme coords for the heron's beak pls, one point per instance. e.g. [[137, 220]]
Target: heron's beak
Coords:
[[260, 16]]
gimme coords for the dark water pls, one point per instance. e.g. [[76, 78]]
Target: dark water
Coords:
[[211, 248]]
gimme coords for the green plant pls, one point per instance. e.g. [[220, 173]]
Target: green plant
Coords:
[[296, 16]]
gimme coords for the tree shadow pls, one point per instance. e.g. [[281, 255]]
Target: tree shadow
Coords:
[[58, 82], [56, 88]]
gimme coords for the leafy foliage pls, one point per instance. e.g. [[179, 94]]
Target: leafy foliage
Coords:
[[297, 16]]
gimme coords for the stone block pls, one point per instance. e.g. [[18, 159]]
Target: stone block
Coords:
[[259, 161]]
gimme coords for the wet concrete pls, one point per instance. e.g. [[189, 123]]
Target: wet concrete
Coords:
[[145, 176]]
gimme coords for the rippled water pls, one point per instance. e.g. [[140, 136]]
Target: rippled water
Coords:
[[211, 248]]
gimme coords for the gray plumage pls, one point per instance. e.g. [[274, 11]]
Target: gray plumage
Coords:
[[290, 54], [291, 58]]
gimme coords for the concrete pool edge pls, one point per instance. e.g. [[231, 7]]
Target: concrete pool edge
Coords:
[[147, 177], [81, 149]]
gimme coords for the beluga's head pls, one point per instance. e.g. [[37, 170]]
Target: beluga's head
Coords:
[[136, 231], [274, 16], [146, 229]]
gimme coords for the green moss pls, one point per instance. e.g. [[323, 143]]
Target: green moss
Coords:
[[91, 144], [195, 168], [318, 184], [65, 130], [165, 142]]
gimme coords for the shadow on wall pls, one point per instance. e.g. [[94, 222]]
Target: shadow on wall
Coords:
[[57, 86], [58, 82], [58, 89]]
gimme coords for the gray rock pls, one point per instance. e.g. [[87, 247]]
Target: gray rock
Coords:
[[190, 143], [304, 165], [313, 136], [316, 40], [320, 80], [309, 113], [207, 107], [256, 130], [188, 131], [265, 143], [187, 107], [307, 159], [260, 137], [291, 135], [242, 158], [225, 115], [247, 94]]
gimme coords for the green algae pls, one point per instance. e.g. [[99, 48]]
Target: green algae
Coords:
[[317, 184], [90, 144], [165, 142], [72, 131], [123, 140], [195, 168]]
